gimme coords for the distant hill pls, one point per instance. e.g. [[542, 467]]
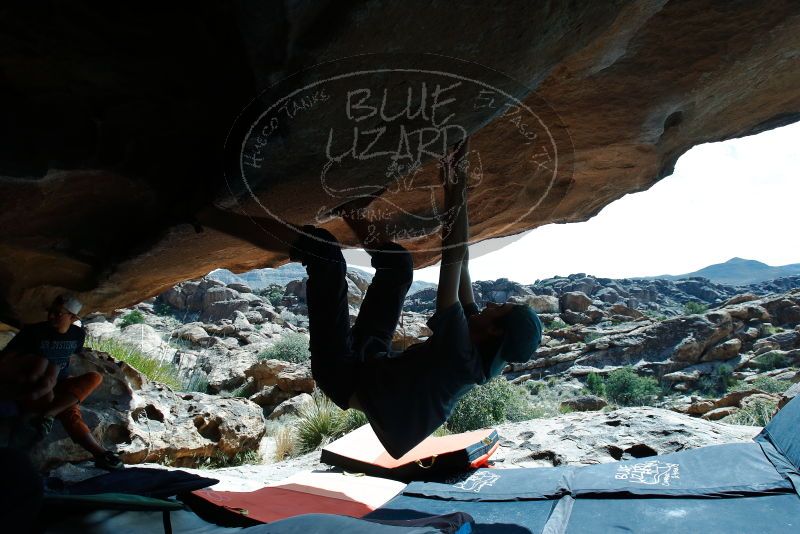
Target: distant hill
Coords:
[[738, 272], [262, 278]]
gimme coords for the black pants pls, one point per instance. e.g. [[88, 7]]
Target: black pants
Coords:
[[336, 349]]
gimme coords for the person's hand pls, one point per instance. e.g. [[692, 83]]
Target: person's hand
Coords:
[[27, 377]]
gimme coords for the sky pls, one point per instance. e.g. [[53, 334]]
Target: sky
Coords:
[[737, 198]]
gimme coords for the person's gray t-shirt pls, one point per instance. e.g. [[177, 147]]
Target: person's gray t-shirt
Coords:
[[407, 395]]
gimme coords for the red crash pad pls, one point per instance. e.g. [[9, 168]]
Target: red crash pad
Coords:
[[361, 451], [304, 493]]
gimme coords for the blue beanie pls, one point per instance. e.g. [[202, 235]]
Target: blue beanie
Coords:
[[521, 337]]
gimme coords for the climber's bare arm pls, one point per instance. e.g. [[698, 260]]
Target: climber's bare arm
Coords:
[[454, 229], [465, 294]]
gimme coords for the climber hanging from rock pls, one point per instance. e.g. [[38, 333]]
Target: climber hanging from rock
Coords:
[[406, 395]]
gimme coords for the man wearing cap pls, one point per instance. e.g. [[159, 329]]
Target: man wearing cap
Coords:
[[56, 340], [405, 395]]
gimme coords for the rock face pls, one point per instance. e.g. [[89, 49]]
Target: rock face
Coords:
[[148, 422], [632, 85], [679, 350], [624, 434]]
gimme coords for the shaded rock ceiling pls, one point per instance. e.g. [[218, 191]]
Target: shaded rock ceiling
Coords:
[[114, 120]]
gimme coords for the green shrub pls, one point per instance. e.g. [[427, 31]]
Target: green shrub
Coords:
[[273, 293], [596, 385], [534, 386], [158, 371], [134, 317], [555, 324], [766, 384], [441, 431], [626, 388], [292, 347], [591, 336], [756, 413], [162, 308], [771, 360], [720, 381], [655, 315], [493, 403], [691, 308]]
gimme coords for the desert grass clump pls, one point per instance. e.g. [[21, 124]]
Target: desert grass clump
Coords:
[[197, 381], [767, 384], [319, 424], [756, 413], [292, 347], [322, 421], [285, 443], [352, 420], [220, 460], [156, 370]]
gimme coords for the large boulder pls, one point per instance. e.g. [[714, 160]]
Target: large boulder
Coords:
[[543, 303], [226, 368], [584, 403], [411, 329], [292, 406], [632, 106], [575, 301], [146, 339], [588, 438], [289, 377]]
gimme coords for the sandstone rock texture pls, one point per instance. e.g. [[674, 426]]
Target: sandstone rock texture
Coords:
[[624, 434], [110, 146], [147, 422]]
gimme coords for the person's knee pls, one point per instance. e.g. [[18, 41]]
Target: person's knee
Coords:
[[73, 422], [93, 379], [81, 386], [318, 243], [395, 257]]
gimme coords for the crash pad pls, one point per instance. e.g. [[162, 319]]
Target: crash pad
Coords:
[[434, 458], [304, 493]]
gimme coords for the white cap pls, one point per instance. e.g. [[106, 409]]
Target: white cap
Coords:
[[72, 305]]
